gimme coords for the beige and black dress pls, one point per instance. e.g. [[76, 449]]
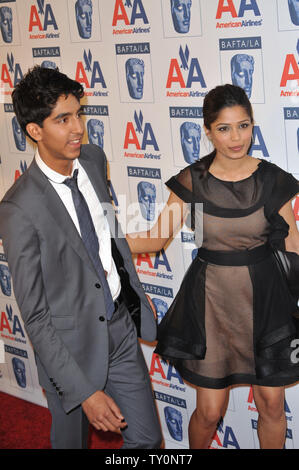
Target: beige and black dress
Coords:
[[233, 318]]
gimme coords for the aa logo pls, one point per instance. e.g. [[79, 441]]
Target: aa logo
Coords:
[[11, 72], [160, 260], [185, 73], [258, 143], [224, 437], [89, 73], [128, 12], [10, 323], [229, 6], [42, 17], [23, 168], [290, 69], [140, 135], [166, 372]]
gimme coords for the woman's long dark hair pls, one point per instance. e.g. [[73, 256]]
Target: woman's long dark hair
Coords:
[[220, 97]]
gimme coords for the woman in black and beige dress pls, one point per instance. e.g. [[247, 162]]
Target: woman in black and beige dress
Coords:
[[233, 320]]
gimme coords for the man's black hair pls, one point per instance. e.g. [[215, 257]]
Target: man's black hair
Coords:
[[37, 93]]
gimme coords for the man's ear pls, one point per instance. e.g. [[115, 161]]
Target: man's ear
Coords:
[[34, 130]]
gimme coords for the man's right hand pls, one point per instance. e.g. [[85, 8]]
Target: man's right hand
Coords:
[[103, 413]]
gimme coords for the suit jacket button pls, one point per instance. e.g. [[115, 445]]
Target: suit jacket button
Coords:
[[102, 318], [97, 285]]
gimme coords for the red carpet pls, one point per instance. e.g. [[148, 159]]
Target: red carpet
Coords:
[[24, 425]]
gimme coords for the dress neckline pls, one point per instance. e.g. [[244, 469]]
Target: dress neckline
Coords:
[[238, 181]]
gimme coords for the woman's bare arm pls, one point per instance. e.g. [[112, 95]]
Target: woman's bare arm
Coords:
[[169, 221]]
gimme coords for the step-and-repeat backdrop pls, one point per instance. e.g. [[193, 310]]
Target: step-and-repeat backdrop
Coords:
[[146, 66]]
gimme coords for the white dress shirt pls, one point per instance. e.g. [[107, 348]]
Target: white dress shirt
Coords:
[[99, 219]]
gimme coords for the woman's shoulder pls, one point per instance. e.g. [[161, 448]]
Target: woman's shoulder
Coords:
[[281, 186], [182, 183], [275, 169]]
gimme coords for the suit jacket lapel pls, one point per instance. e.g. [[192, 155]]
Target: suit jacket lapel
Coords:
[[59, 213], [99, 183], [62, 218], [96, 178]]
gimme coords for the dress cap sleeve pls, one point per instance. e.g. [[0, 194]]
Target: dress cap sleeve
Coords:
[[285, 188], [181, 185]]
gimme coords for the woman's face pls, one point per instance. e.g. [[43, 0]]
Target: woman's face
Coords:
[[231, 133]]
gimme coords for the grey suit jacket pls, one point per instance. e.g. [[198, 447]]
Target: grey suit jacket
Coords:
[[56, 286]]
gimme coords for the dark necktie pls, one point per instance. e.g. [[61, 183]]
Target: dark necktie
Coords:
[[90, 239]]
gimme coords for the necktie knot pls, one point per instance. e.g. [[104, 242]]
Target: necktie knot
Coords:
[[72, 182]]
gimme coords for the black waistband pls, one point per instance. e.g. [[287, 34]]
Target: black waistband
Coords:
[[235, 258]]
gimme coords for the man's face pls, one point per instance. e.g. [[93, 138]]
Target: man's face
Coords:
[[84, 19], [242, 75], [59, 140], [6, 23], [135, 78], [190, 140], [181, 14]]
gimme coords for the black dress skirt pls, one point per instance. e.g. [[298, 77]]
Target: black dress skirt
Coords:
[[233, 320]]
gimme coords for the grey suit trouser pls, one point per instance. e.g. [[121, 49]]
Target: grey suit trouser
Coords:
[[128, 384]]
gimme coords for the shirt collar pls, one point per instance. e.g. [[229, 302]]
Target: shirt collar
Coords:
[[52, 175]]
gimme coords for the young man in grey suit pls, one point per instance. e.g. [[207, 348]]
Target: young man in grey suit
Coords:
[[74, 280]]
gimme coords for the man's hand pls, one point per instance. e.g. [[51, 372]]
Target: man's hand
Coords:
[[152, 306], [103, 413]]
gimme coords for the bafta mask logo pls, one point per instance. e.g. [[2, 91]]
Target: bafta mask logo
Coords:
[[242, 68], [18, 134], [190, 141], [6, 24], [161, 308], [181, 15], [174, 421], [294, 11], [48, 64], [147, 198], [19, 371], [83, 9], [135, 77], [95, 131], [5, 280]]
